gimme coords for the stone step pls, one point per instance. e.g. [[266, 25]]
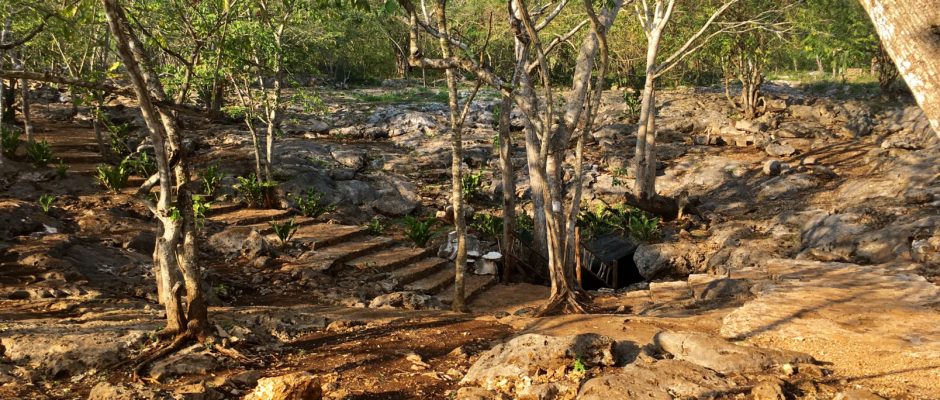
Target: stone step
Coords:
[[247, 216], [318, 236], [265, 228], [473, 286], [419, 270], [332, 257], [432, 283], [389, 259], [223, 208]]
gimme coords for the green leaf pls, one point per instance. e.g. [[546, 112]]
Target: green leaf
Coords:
[[114, 67]]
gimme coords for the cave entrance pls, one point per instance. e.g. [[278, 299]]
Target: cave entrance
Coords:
[[607, 261]]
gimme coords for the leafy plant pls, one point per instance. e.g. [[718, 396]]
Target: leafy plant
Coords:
[[200, 207], [61, 169], [524, 225], [284, 231], [211, 179], [631, 99], [40, 153], [45, 202], [644, 227], [579, 366], [142, 165], [10, 140], [118, 134], [113, 177], [419, 230], [471, 184], [375, 227], [254, 192], [311, 204], [487, 224]]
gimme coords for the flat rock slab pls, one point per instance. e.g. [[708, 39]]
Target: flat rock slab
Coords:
[[719, 355], [323, 235], [877, 322], [667, 292], [247, 216], [473, 286], [659, 380], [388, 258], [54, 355], [329, 257]]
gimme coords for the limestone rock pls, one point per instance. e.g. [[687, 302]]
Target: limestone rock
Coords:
[[525, 355], [779, 150], [659, 380], [719, 355], [295, 386], [666, 259], [406, 300], [186, 362]]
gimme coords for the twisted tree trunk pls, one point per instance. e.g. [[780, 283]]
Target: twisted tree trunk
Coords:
[[910, 32]]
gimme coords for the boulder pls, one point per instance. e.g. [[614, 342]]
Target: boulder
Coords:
[[785, 185], [351, 158], [658, 380], [396, 195], [526, 355], [186, 362], [722, 356], [58, 355], [666, 259], [295, 386], [772, 168], [239, 240], [779, 150], [108, 391]]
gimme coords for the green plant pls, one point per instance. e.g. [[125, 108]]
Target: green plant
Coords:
[[311, 204], [142, 165], [375, 227], [61, 169], [419, 230], [211, 179], [113, 177], [471, 183], [595, 221], [524, 225], [10, 140], [631, 99], [45, 202], [40, 153], [117, 134], [200, 207], [254, 192], [488, 225], [579, 366], [644, 227], [284, 231]]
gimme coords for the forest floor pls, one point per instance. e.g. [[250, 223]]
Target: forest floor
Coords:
[[834, 257]]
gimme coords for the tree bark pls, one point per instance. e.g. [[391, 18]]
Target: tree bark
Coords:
[[910, 32]]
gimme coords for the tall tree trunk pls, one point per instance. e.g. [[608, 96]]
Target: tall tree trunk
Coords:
[[910, 32], [25, 109], [460, 223], [3, 38], [509, 184]]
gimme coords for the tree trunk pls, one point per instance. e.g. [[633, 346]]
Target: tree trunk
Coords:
[[460, 223], [3, 38], [644, 187], [25, 109], [910, 33], [175, 248], [509, 184]]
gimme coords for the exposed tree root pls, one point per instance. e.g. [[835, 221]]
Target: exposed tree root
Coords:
[[566, 302], [145, 359]]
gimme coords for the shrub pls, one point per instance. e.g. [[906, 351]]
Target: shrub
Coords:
[[488, 225], [419, 230], [61, 169], [10, 140], [620, 218], [113, 177], [211, 179], [471, 183], [524, 225], [644, 227], [375, 227], [200, 207], [254, 192], [40, 153], [142, 165], [45, 202], [311, 204], [284, 231]]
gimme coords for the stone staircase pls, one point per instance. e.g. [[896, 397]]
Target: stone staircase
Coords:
[[344, 249]]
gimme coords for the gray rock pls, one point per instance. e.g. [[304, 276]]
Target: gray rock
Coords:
[[785, 185], [351, 158], [237, 240], [724, 357], [58, 355], [406, 300], [396, 195], [527, 354], [779, 150], [659, 380], [666, 259], [108, 391], [772, 168], [769, 389]]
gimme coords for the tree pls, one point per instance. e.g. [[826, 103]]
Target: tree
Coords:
[[175, 249], [910, 34]]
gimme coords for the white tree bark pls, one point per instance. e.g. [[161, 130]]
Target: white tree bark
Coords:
[[910, 32]]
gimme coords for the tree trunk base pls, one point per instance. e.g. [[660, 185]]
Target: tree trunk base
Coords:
[[568, 302], [665, 207]]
